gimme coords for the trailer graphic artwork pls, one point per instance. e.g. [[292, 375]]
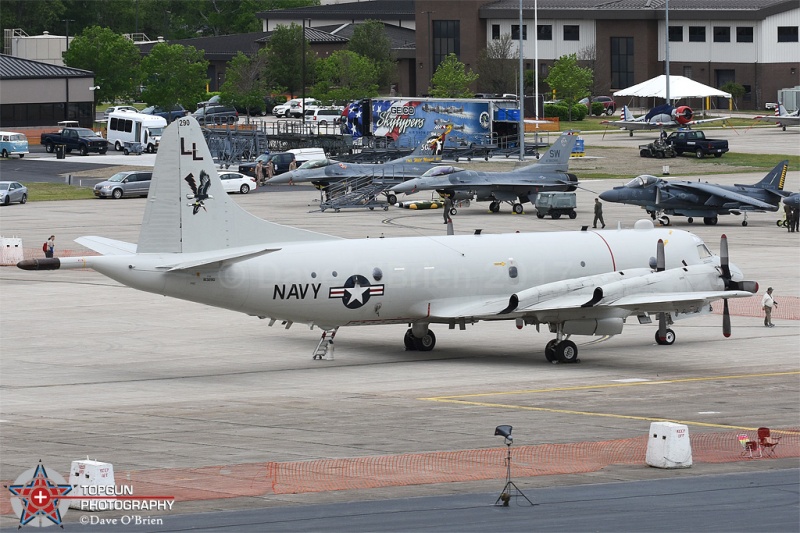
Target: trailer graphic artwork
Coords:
[[407, 122]]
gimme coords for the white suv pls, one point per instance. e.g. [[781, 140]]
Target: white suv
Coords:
[[324, 115], [282, 110]]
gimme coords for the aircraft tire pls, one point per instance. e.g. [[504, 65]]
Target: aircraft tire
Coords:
[[408, 340], [426, 343], [668, 340], [518, 209], [690, 220], [494, 207], [391, 198], [550, 351], [453, 211], [744, 223], [567, 352]]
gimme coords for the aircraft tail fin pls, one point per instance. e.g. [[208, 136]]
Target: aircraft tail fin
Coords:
[[557, 156], [776, 178], [626, 114], [189, 211], [780, 111], [430, 150]]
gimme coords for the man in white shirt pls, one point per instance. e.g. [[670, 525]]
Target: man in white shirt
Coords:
[[767, 303]]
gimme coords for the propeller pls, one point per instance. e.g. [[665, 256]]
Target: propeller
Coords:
[[660, 267], [730, 285]]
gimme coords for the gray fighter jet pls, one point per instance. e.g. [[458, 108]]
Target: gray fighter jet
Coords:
[[326, 171], [691, 199], [514, 187]]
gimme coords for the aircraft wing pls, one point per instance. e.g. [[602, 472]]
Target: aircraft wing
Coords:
[[635, 124], [673, 301], [788, 120], [704, 120], [726, 194]]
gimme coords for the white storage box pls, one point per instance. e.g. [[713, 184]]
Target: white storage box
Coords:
[[11, 252], [668, 446], [95, 473]]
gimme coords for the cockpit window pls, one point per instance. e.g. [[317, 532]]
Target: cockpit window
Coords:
[[645, 180], [442, 170], [316, 163], [703, 251]]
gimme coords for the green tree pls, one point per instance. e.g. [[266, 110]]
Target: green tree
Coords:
[[370, 40], [570, 81], [496, 66], [32, 17], [285, 58], [736, 90], [113, 59], [345, 76], [451, 80], [174, 74], [245, 81]]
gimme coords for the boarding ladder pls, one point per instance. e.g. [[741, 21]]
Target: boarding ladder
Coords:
[[324, 349], [355, 192]]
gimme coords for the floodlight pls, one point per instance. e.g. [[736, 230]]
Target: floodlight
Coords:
[[510, 487]]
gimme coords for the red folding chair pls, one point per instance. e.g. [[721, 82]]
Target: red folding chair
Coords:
[[766, 441]]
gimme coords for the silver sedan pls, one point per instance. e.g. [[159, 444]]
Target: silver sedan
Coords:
[[13, 191]]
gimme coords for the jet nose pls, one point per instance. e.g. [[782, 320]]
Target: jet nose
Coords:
[[286, 177], [610, 196], [407, 187]]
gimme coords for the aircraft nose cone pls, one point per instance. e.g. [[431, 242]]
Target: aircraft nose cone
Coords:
[[405, 187], [610, 196]]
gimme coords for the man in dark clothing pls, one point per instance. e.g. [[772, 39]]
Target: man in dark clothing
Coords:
[[598, 213]]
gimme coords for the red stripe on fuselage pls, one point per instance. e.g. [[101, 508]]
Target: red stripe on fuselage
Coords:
[[610, 252]]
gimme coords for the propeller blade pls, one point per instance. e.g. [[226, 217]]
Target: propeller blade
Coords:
[[726, 319], [724, 259], [660, 259]]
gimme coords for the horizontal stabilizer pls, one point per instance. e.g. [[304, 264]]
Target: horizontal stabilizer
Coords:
[[217, 260], [106, 246]]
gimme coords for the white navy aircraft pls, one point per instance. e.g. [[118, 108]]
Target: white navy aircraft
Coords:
[[197, 244]]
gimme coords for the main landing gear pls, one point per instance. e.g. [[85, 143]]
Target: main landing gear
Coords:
[[561, 349], [419, 338], [517, 208]]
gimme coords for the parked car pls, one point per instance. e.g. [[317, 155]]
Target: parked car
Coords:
[[172, 114], [297, 108], [324, 115], [214, 100], [117, 109], [82, 139], [236, 182], [13, 143], [13, 191], [128, 183], [609, 105], [216, 114], [282, 110]]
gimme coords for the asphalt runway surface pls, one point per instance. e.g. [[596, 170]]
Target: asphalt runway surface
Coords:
[[150, 384]]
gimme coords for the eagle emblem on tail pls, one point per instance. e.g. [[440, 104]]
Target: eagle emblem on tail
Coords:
[[200, 194]]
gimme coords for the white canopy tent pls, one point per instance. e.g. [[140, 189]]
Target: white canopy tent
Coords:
[[679, 87]]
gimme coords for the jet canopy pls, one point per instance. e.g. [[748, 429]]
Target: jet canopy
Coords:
[[640, 182], [443, 170], [316, 163]]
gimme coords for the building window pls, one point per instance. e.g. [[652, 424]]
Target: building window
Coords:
[[544, 32], [722, 34], [687, 71], [697, 34], [621, 61], [515, 32], [446, 40], [787, 34], [495, 31], [676, 34], [572, 32], [744, 34]]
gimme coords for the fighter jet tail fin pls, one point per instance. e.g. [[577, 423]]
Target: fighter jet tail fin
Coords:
[[626, 114], [776, 178], [188, 209], [557, 156]]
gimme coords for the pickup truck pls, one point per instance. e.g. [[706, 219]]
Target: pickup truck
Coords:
[[697, 143], [82, 139]]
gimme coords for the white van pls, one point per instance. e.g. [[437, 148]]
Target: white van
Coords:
[[124, 126]]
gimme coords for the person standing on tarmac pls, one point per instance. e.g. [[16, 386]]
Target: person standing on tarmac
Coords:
[[767, 303]]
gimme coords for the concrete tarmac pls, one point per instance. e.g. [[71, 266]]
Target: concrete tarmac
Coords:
[[92, 368]]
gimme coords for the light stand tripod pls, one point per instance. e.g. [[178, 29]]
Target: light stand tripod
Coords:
[[505, 495]]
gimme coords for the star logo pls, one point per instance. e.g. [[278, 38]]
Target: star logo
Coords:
[[38, 497], [356, 291]]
